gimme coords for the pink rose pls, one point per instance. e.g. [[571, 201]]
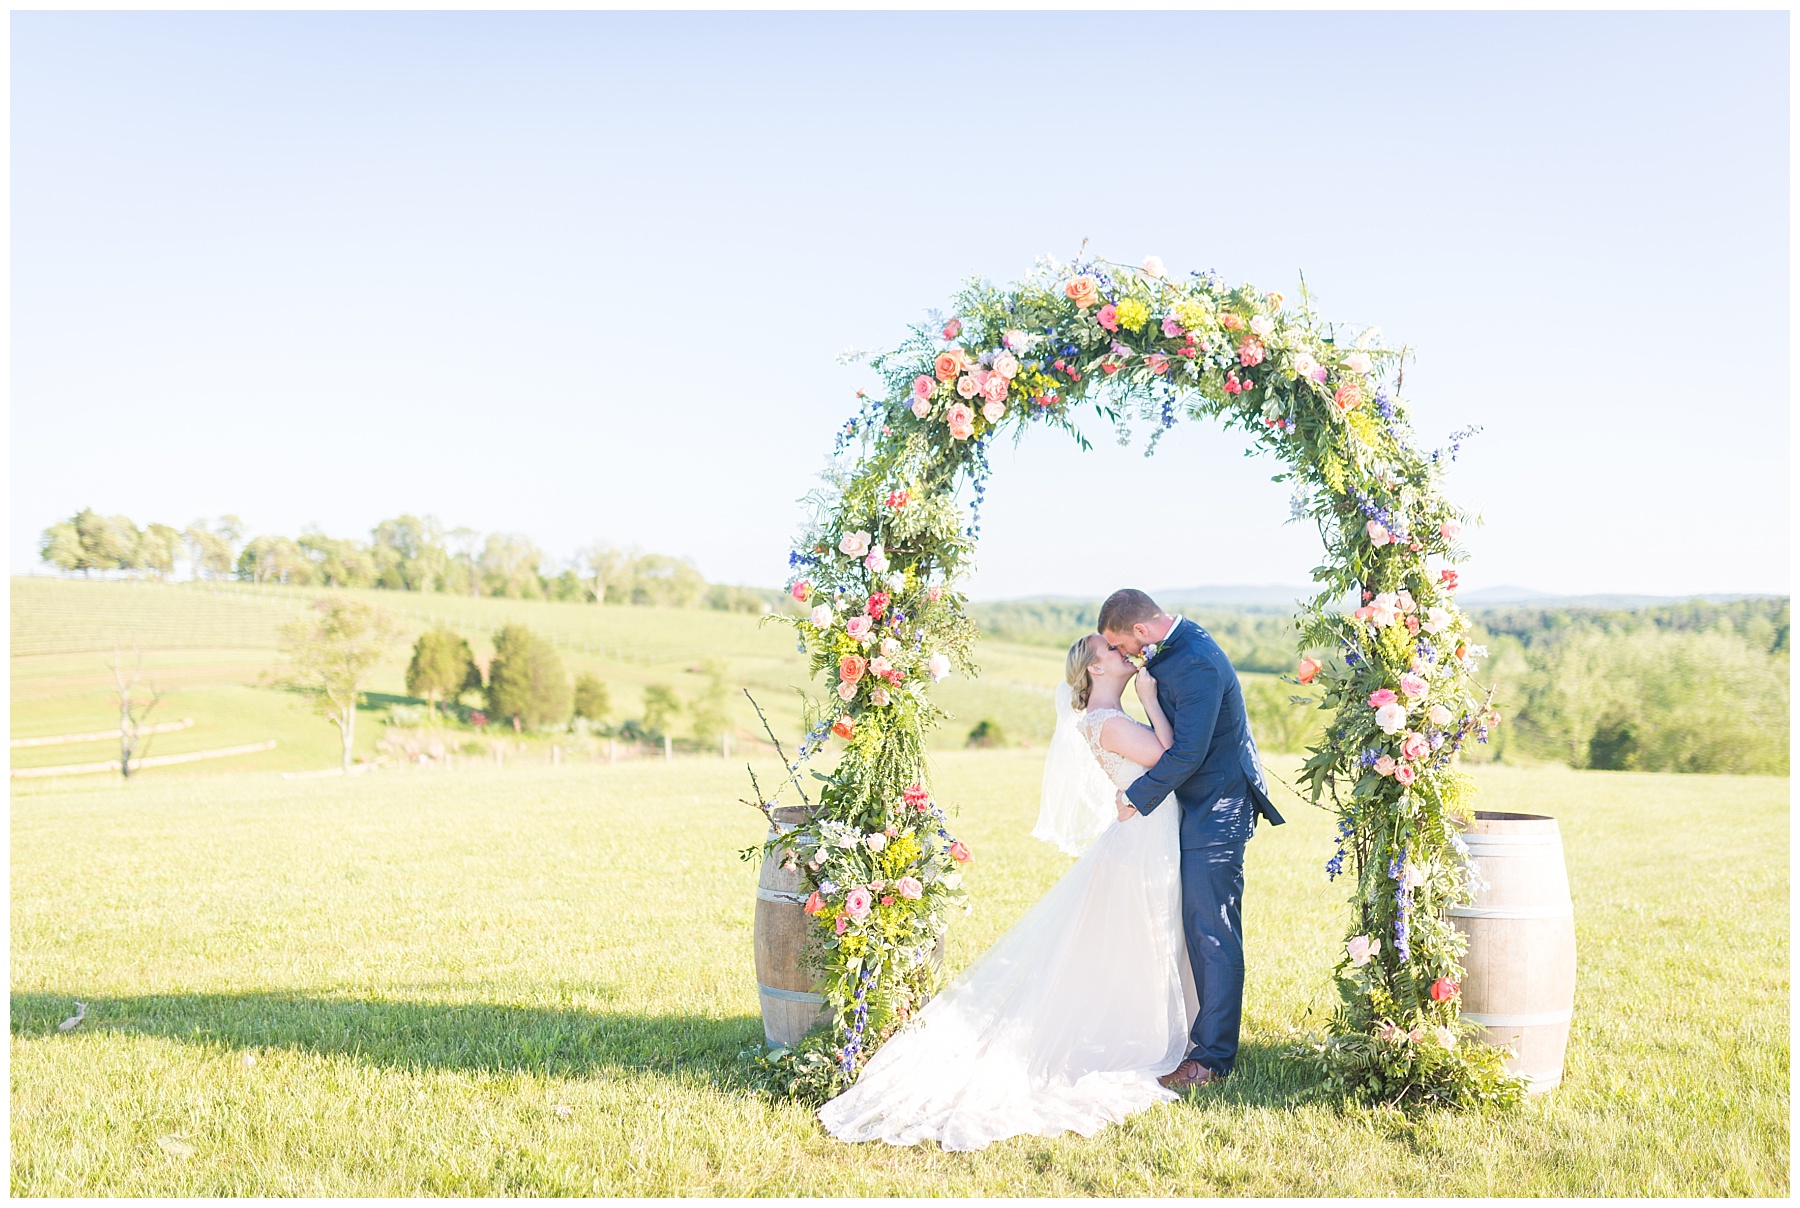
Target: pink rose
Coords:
[[922, 407], [821, 617], [1361, 948], [854, 545], [1413, 685], [934, 594], [959, 851], [961, 418], [1384, 766], [1153, 267], [1439, 715], [1377, 531], [1415, 746], [1108, 317], [846, 692], [1450, 530], [880, 697], [877, 560], [1380, 697], [923, 386], [1007, 366], [967, 386], [994, 388], [909, 888], [814, 904], [1171, 326], [858, 626], [1309, 669], [1405, 773], [993, 411], [801, 590], [858, 902], [842, 925], [952, 329], [1250, 352], [1304, 364]]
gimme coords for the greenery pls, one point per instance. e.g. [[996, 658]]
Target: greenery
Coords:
[[661, 704], [405, 553], [475, 984], [332, 655], [592, 700], [527, 681], [887, 541], [708, 711], [443, 667], [987, 733]]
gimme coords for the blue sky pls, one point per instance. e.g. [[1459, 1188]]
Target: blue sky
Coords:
[[585, 276]]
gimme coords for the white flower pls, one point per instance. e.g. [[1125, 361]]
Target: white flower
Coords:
[[1391, 718], [1439, 715], [1153, 267], [1446, 1037], [1358, 362], [876, 841], [877, 561], [938, 665], [1361, 948], [1261, 326], [1436, 619], [821, 617], [896, 582], [1412, 876], [1007, 366], [1304, 364], [889, 647], [854, 545]]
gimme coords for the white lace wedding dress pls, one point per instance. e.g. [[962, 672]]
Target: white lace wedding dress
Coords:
[[1066, 1022]]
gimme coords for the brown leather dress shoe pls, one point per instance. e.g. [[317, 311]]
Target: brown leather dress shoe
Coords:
[[1186, 1076]]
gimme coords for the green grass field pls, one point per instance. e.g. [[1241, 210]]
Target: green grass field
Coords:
[[538, 981]]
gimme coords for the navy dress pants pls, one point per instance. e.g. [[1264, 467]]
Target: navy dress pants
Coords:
[[1212, 892]]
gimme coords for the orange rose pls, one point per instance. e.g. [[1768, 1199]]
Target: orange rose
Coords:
[[1308, 669], [844, 727], [1349, 396], [1231, 323], [951, 362], [1083, 291]]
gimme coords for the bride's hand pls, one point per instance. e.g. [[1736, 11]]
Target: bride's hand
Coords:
[[1146, 685]]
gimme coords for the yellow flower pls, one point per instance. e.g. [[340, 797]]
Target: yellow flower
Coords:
[[1133, 314], [1193, 314]]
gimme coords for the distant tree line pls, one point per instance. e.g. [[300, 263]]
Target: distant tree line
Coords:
[[406, 553]]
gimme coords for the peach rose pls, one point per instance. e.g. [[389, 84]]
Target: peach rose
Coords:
[[910, 888], [1384, 766], [1309, 668], [846, 692], [1377, 531], [1349, 396], [1007, 366], [967, 386], [851, 668], [1231, 323], [949, 363], [959, 851], [844, 727], [1083, 291], [994, 388], [1439, 716], [961, 418], [922, 407], [1156, 362], [1414, 746]]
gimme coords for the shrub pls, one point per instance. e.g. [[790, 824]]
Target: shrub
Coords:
[[526, 679], [987, 733], [592, 700]]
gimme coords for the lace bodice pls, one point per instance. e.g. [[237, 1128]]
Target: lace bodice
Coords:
[[1120, 770]]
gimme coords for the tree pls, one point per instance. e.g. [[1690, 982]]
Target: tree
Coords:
[[509, 567], [213, 550], [442, 666], [526, 679], [409, 553], [274, 560], [592, 700], [337, 561], [707, 717], [133, 742], [333, 653], [987, 733], [158, 548], [61, 547], [660, 706]]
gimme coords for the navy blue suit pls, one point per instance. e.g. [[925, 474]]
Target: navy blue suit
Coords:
[[1213, 771]]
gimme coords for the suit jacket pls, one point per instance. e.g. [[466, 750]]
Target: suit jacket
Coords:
[[1212, 768]]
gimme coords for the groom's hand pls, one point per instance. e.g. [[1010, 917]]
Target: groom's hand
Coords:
[[1126, 809]]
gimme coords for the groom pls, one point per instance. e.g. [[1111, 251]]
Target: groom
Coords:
[[1213, 771]]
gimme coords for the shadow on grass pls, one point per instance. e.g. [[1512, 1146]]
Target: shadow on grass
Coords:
[[416, 1035]]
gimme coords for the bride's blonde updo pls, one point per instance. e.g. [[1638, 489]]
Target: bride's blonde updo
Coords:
[[1076, 670]]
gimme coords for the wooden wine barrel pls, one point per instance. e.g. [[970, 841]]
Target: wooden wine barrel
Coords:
[[791, 1003], [1519, 982]]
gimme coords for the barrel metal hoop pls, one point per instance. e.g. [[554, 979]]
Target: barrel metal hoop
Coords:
[[1541, 1019], [1483, 839], [790, 995], [779, 895], [1512, 912]]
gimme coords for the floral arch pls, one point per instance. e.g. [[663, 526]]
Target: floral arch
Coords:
[[888, 541]]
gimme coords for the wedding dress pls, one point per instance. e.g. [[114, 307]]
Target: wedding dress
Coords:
[[1068, 1020]]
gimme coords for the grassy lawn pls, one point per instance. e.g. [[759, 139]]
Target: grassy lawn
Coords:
[[538, 980]]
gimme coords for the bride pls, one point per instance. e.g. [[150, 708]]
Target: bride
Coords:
[[1067, 1021]]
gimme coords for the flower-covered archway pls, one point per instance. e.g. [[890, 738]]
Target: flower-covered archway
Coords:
[[891, 536]]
